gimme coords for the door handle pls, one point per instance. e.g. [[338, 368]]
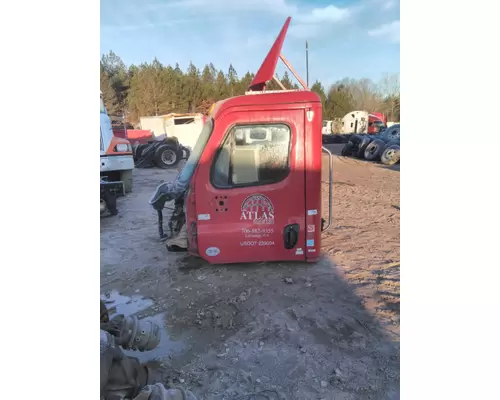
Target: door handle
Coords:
[[291, 235]]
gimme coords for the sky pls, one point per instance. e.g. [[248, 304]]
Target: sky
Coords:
[[347, 38]]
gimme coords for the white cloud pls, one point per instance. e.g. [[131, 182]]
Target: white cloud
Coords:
[[329, 13], [324, 15], [312, 23], [389, 31], [307, 22]]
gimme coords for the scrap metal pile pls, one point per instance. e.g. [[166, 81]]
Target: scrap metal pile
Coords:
[[124, 377], [384, 147], [109, 192]]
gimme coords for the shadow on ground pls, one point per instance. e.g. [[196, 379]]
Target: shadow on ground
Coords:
[[285, 330], [297, 329]]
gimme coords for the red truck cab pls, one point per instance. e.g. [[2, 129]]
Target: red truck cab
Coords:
[[258, 200]]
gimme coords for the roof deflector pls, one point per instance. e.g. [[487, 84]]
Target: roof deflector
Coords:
[[266, 70]]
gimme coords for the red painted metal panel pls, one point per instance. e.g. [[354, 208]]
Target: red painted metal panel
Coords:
[[266, 70]]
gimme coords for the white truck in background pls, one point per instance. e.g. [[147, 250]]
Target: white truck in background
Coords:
[[117, 161], [185, 127]]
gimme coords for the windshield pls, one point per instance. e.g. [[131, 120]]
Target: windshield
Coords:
[[103, 109], [188, 170]]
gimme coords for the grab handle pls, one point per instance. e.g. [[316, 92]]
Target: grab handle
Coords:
[[330, 188]]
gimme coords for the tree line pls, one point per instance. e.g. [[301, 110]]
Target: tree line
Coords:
[[156, 89]]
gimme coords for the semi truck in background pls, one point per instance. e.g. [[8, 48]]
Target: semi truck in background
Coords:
[[185, 127], [355, 122], [117, 162], [363, 122]]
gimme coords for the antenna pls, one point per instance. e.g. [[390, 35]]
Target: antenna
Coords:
[[307, 64]]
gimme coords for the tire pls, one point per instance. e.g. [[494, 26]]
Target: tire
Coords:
[[139, 150], [104, 313], [167, 156], [356, 139], [388, 140], [329, 139], [365, 141], [390, 155], [126, 178], [374, 150], [186, 153], [391, 133], [390, 143], [347, 150]]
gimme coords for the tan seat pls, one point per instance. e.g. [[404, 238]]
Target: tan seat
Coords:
[[245, 164]]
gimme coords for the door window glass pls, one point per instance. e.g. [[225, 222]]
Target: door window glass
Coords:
[[253, 155]]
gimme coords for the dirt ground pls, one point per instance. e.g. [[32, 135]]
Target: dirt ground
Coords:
[[270, 331]]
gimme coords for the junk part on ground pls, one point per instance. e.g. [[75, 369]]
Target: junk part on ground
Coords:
[[109, 192], [124, 377], [384, 147], [254, 154]]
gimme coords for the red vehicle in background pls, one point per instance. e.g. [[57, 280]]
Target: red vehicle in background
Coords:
[[126, 131], [377, 122]]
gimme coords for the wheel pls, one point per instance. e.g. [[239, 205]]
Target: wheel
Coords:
[[365, 141], [338, 139], [390, 143], [391, 133], [328, 139], [388, 139], [139, 150], [347, 149], [126, 178], [356, 141], [166, 156], [104, 313], [390, 155], [374, 150], [186, 153]]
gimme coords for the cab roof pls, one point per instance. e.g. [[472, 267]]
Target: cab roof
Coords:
[[273, 97]]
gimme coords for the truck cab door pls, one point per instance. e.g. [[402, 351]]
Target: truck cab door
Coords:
[[250, 188]]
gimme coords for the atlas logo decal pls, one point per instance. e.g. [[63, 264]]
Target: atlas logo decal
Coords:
[[258, 209]]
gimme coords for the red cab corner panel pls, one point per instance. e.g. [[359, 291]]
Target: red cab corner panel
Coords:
[[116, 144]]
